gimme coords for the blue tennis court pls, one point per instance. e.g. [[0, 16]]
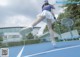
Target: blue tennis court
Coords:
[[62, 49]]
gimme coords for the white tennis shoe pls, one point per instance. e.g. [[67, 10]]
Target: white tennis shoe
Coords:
[[26, 30]]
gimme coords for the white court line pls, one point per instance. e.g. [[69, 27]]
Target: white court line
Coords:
[[53, 50], [19, 55]]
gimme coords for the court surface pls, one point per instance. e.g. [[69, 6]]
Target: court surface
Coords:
[[62, 49]]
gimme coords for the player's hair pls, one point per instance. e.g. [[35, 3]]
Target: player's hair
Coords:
[[45, 4]]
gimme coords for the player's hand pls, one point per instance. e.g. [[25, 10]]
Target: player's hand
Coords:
[[54, 17]]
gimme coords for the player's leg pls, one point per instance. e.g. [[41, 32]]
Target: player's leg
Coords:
[[49, 24], [28, 29], [38, 20]]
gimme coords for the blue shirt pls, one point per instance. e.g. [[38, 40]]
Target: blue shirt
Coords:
[[47, 7]]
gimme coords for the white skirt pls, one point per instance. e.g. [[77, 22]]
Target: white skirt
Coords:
[[48, 15]]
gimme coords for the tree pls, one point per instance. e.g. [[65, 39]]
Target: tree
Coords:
[[46, 29], [71, 11], [30, 36]]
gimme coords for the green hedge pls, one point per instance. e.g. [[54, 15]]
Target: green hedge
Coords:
[[1, 39], [27, 42], [32, 41], [60, 40]]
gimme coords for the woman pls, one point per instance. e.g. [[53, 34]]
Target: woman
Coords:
[[48, 16]]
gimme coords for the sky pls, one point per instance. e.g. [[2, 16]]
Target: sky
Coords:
[[22, 12]]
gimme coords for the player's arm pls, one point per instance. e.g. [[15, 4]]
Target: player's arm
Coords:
[[53, 11], [53, 14]]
